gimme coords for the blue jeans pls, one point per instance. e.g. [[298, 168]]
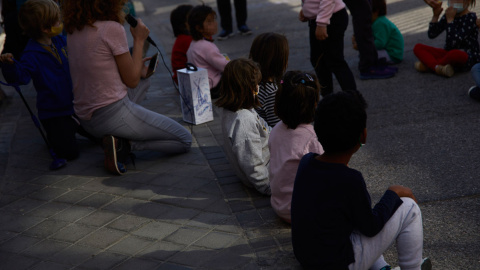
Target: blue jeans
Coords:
[[146, 130], [476, 74]]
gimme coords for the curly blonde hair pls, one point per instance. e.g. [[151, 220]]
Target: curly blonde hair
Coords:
[[80, 13]]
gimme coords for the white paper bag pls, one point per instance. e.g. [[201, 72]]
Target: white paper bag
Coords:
[[195, 95]]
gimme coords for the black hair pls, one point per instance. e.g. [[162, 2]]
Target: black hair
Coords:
[[196, 17], [296, 98], [178, 19], [340, 120], [379, 6]]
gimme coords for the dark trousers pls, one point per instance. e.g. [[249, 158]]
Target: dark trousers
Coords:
[[225, 10], [361, 11], [327, 56]]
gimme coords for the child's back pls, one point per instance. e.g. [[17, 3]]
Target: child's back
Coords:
[[388, 39]]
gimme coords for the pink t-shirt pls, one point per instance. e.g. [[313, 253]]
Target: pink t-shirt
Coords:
[[287, 147], [205, 54], [95, 76]]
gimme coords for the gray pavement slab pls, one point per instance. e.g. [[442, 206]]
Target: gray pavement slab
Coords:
[[191, 212]]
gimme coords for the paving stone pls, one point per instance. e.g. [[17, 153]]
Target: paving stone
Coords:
[[97, 200], [46, 228], [26, 189], [145, 192], [186, 235], [73, 232], [216, 240], [48, 209], [193, 256], [233, 257], [48, 193], [220, 206], [240, 206], [124, 205], [249, 219], [22, 206], [50, 266], [16, 261], [98, 218], [73, 196], [48, 180], [179, 215], [73, 213], [262, 242], [210, 188], [193, 183], [19, 243], [169, 266], [102, 238], [45, 249], [227, 180], [16, 223], [161, 250], [5, 236], [104, 260], [6, 199], [151, 209], [137, 264], [75, 255], [130, 245], [208, 220], [156, 230], [128, 223]]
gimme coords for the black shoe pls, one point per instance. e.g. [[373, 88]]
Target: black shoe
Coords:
[[244, 30], [474, 93], [225, 34]]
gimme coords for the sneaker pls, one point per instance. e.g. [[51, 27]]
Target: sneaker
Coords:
[[420, 67], [377, 73], [110, 146], [225, 35], [244, 30], [124, 151], [474, 93], [426, 264], [446, 70], [386, 267]]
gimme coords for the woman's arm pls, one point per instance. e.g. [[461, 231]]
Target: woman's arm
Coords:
[[131, 67]]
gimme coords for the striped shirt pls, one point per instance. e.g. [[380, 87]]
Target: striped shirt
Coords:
[[266, 96]]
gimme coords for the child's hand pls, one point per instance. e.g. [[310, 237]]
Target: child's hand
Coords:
[[6, 58], [450, 14], [437, 10], [402, 191], [321, 32], [433, 3], [301, 17]]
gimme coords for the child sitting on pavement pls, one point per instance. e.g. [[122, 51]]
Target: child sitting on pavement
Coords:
[[388, 39], [270, 51], [292, 137], [245, 133], [45, 62], [461, 48], [333, 224], [178, 19], [203, 52]]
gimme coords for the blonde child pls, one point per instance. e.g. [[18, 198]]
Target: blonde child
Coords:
[[461, 45], [245, 133], [203, 52], [292, 137], [270, 51], [45, 62]]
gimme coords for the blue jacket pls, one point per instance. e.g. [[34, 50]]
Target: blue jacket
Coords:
[[51, 78]]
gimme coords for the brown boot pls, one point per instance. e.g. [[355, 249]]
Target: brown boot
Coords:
[[446, 70], [420, 67]]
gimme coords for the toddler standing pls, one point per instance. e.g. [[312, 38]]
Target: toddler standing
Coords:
[[245, 133], [292, 137], [461, 45], [203, 52], [270, 51]]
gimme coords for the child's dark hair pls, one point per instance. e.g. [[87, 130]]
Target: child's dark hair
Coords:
[[238, 84], [36, 15], [379, 6], [178, 19], [296, 98], [270, 51], [196, 17], [340, 120]]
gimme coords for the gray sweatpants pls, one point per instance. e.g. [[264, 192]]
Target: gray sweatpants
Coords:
[[405, 227], [147, 130]]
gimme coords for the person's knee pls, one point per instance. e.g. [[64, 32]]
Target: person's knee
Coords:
[[410, 206]]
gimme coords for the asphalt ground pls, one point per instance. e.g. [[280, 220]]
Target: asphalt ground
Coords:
[[191, 212]]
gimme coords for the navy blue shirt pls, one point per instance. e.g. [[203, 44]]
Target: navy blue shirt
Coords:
[[329, 202]]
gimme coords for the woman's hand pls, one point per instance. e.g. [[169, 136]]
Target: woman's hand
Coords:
[[140, 32], [145, 66], [6, 58], [321, 32]]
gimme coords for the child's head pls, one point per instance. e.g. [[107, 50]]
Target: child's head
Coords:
[[239, 85], [340, 121], [379, 8], [270, 51], [296, 99], [178, 19], [80, 13], [35, 16], [202, 22]]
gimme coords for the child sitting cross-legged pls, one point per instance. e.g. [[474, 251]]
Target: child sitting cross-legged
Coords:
[[293, 136], [333, 223]]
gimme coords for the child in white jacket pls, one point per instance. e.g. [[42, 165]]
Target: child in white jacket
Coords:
[[245, 133]]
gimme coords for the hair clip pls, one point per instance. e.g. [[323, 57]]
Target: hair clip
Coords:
[[309, 77], [302, 81]]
